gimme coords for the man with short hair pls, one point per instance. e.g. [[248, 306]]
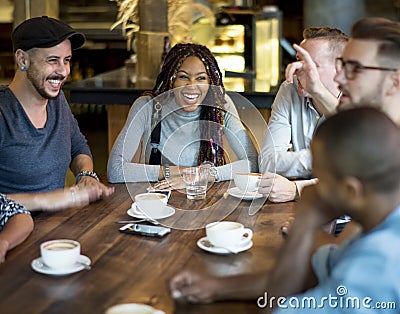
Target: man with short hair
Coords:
[[39, 137], [369, 68], [301, 104], [359, 175]]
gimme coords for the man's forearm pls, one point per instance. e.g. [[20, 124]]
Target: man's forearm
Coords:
[[243, 287], [293, 273], [325, 102], [301, 184], [31, 201], [81, 162]]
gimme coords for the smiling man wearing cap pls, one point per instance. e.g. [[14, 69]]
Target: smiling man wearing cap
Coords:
[[39, 137]]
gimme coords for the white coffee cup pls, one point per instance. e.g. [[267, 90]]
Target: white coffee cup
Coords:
[[60, 253], [228, 233], [146, 202], [247, 182], [133, 308]]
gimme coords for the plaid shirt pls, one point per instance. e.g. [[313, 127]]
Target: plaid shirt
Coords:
[[9, 208]]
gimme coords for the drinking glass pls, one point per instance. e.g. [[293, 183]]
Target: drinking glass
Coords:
[[196, 179]]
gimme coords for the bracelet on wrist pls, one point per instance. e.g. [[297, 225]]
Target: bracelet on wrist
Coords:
[[167, 172], [214, 173], [86, 173]]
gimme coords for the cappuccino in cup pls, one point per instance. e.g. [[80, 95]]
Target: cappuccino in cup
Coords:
[[59, 246], [147, 202], [150, 196], [60, 254], [247, 182], [228, 233]]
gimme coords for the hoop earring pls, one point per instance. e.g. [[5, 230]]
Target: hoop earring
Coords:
[[23, 68]]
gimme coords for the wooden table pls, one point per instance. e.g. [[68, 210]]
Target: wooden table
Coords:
[[135, 269]]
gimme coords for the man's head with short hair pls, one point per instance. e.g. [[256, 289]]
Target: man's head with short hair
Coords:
[[362, 144], [335, 37], [43, 50], [386, 33], [324, 45], [372, 56]]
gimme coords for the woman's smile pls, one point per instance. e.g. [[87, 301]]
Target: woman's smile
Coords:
[[191, 84]]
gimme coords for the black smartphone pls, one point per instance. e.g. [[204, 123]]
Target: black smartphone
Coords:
[[145, 230]]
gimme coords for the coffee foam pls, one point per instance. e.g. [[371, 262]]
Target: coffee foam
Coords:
[[59, 246], [248, 174], [151, 196], [219, 226]]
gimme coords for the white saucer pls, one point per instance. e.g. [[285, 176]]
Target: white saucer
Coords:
[[247, 196], [206, 245], [158, 213], [39, 266]]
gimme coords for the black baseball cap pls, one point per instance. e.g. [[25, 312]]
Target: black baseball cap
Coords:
[[44, 32]]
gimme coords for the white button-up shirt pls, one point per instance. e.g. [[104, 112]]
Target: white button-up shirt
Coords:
[[286, 145]]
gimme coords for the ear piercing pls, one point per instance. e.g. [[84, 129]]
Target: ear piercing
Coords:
[[23, 68]]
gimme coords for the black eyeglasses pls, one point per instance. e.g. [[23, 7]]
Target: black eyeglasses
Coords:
[[352, 68]]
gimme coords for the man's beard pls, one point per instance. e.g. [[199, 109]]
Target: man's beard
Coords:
[[374, 99], [35, 83]]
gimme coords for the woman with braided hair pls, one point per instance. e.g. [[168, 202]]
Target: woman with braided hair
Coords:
[[181, 123]]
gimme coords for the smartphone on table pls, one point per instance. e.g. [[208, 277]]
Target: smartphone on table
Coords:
[[145, 230]]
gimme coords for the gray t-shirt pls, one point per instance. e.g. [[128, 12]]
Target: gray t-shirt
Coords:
[[37, 160], [179, 142]]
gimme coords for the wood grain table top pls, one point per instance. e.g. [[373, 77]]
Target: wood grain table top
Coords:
[[132, 268]]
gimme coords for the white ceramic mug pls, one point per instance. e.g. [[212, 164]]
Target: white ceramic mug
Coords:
[[228, 233], [61, 253], [247, 182], [133, 308], [147, 202]]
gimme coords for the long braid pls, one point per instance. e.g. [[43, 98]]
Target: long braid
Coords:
[[213, 105]]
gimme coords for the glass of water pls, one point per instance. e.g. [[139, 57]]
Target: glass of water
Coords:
[[196, 179]]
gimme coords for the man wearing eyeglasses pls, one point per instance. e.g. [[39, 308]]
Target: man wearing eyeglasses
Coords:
[[369, 70], [301, 104]]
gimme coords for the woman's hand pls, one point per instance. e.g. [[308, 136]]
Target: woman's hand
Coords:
[[174, 182]]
